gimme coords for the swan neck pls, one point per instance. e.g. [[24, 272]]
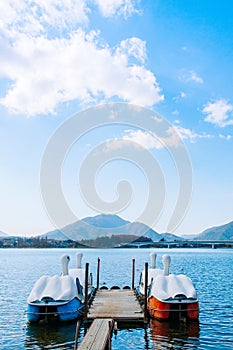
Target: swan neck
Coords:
[[65, 261], [79, 260], [153, 260], [166, 263]]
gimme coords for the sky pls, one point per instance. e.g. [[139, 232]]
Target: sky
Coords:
[[61, 58]]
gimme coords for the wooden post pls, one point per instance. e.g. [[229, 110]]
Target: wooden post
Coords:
[[110, 325], [76, 335], [133, 272], [145, 292], [86, 290], [98, 274]]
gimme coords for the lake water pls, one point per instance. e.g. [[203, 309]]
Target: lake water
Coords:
[[209, 269]]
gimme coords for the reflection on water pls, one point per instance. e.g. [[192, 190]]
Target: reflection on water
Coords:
[[179, 335], [56, 336]]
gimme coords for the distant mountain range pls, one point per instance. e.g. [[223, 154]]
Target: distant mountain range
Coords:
[[3, 234], [218, 233], [106, 225], [91, 228]]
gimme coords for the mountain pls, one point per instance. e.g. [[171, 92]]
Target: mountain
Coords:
[[105, 225], [171, 237], [218, 233], [105, 221], [189, 236], [3, 234], [56, 234]]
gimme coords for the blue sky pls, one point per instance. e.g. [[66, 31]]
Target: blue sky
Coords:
[[58, 58]]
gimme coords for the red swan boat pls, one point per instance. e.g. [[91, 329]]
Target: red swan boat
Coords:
[[172, 295]]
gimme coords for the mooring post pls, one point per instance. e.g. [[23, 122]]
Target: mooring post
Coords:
[[98, 274], [133, 272], [86, 290], [76, 335], [145, 292]]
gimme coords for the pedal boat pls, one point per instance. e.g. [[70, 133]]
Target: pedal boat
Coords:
[[172, 296], [57, 298], [153, 272]]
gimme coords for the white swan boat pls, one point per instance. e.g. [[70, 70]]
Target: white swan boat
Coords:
[[172, 295], [153, 272], [59, 298]]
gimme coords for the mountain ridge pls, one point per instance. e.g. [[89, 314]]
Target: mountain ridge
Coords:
[[218, 233], [106, 225], [3, 234]]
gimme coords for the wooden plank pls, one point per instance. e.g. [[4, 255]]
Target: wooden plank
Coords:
[[120, 305], [98, 336]]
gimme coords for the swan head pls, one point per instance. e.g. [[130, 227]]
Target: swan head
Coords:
[[153, 260], [79, 260], [166, 263], [65, 259]]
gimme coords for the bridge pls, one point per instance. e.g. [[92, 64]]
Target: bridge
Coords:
[[180, 244]]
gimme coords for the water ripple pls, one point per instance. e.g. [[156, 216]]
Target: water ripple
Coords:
[[210, 271]]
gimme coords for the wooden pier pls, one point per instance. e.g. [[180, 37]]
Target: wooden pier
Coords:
[[98, 336], [121, 305], [108, 308]]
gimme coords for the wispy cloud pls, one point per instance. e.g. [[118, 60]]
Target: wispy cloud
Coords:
[[133, 47], [143, 138], [219, 113], [180, 96], [225, 137], [190, 76], [190, 135], [110, 8], [49, 57], [150, 141], [31, 17], [176, 112]]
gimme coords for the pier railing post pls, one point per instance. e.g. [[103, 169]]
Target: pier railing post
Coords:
[[98, 274], [86, 290], [145, 292], [76, 335], [133, 272]]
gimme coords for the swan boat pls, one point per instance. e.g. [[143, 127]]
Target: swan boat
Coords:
[[153, 272], [59, 298], [172, 296]]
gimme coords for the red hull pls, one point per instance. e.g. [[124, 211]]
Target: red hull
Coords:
[[162, 310]]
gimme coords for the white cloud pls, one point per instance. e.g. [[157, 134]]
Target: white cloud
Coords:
[[35, 17], [134, 47], [176, 112], [47, 66], [225, 137], [175, 134], [109, 8], [182, 94], [195, 77], [143, 138], [190, 76], [219, 113], [179, 97], [188, 134]]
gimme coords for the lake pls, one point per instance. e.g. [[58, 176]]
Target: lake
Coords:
[[209, 269]]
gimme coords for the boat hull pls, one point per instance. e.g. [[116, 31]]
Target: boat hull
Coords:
[[163, 310], [54, 311]]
